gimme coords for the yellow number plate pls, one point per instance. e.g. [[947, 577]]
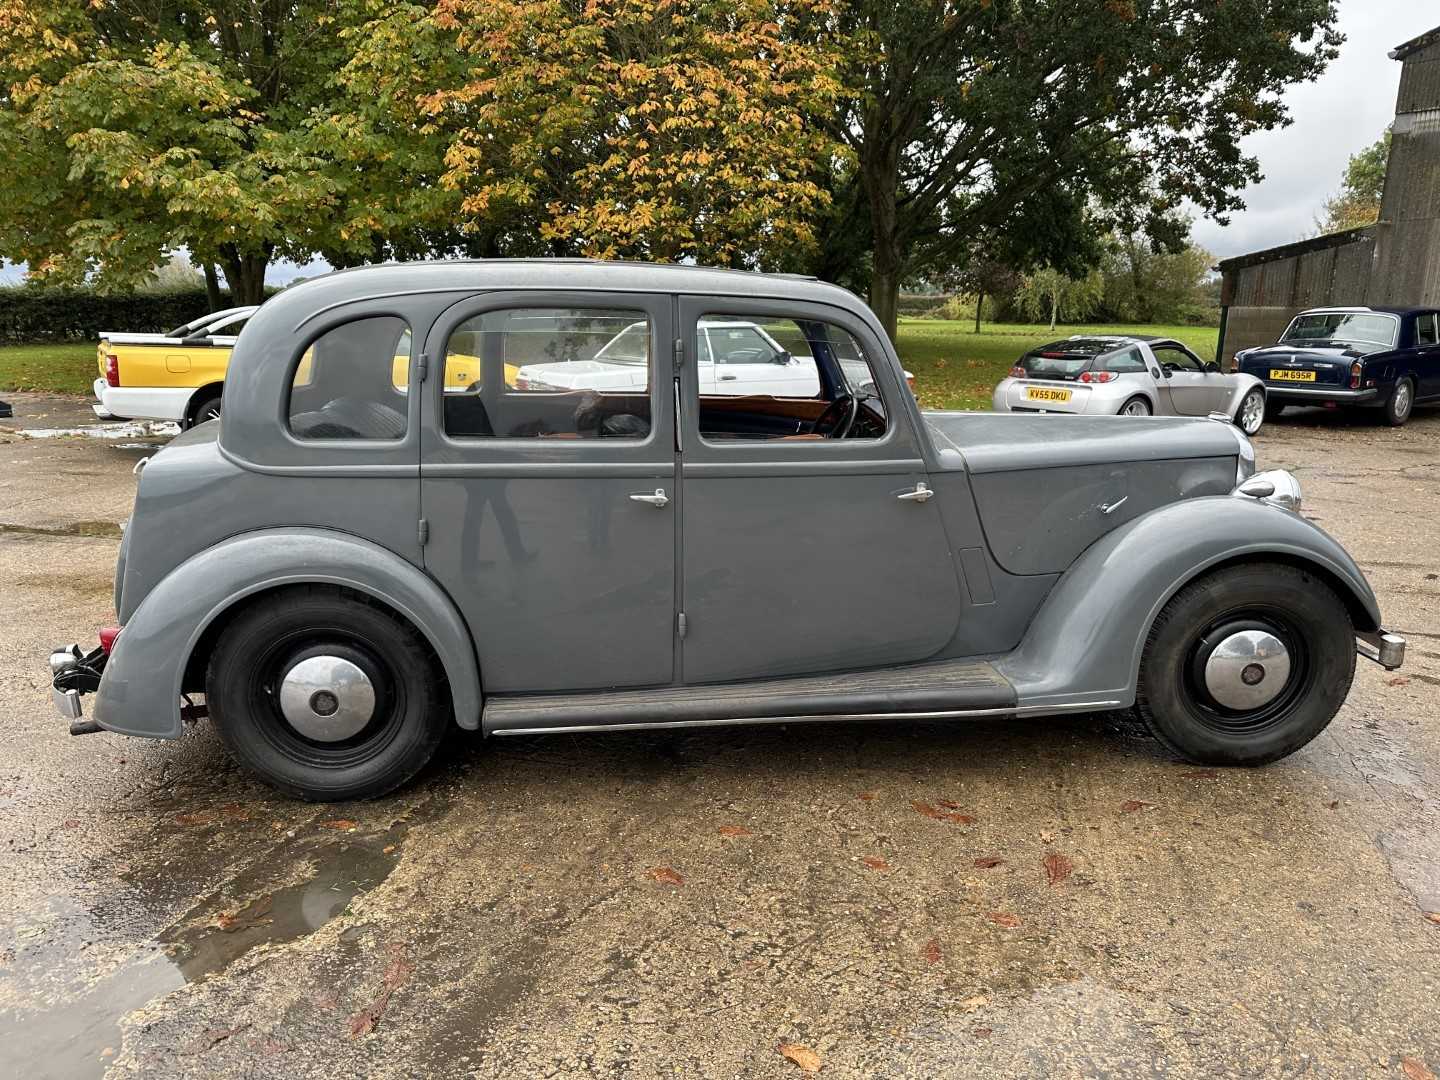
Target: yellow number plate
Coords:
[[1040, 393], [1285, 375]]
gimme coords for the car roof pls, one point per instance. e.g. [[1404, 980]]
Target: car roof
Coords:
[[1374, 309]]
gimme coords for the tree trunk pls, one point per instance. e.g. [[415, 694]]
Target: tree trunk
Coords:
[[881, 177], [979, 306], [212, 285], [1054, 309], [245, 274]]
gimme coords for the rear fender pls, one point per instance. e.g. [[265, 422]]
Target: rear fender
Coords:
[[140, 691], [1243, 384], [1085, 642]]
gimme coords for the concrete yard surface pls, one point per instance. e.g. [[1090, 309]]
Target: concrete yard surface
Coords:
[[1003, 898]]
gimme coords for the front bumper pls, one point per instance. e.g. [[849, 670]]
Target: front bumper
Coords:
[[1383, 647], [72, 674], [1295, 395]]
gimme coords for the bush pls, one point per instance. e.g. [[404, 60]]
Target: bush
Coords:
[[30, 314]]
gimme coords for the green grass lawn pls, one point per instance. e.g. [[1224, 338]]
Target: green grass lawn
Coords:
[[954, 367], [67, 368]]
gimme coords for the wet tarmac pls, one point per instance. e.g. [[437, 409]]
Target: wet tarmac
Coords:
[[733, 903]]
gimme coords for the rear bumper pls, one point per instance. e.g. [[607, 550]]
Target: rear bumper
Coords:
[[1383, 647], [1294, 395], [143, 402], [71, 675]]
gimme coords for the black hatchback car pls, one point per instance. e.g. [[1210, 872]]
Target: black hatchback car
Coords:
[[1385, 358]]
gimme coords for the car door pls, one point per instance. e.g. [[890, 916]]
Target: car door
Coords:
[[1192, 390], [1427, 355], [551, 515], [800, 552]]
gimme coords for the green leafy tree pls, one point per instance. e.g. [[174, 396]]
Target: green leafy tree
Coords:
[[1052, 294], [1357, 204], [1146, 285], [1018, 115]]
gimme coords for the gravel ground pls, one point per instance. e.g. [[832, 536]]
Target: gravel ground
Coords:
[[734, 903]]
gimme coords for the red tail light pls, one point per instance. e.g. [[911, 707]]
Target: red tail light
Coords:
[[1356, 370], [1096, 376], [108, 634], [112, 369], [1017, 372]]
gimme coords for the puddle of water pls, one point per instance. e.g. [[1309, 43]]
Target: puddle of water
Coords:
[[209, 940], [144, 429]]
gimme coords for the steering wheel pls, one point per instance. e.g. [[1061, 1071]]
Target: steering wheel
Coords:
[[838, 418]]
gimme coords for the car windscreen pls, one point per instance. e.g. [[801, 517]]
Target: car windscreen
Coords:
[[630, 346], [1367, 332], [1066, 359]]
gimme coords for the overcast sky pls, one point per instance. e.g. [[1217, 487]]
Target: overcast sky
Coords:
[[1345, 111]]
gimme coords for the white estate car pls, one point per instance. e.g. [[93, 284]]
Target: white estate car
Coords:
[[1129, 376]]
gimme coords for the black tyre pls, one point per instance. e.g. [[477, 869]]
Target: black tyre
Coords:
[[1136, 406], [204, 408], [326, 696], [1250, 414], [1400, 403], [1246, 665]]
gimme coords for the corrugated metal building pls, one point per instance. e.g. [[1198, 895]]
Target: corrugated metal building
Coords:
[[1396, 261]]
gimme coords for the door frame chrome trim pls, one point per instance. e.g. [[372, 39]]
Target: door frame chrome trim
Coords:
[[955, 714]]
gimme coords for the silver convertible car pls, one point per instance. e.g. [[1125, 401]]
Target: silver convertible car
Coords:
[[346, 565], [1129, 376]]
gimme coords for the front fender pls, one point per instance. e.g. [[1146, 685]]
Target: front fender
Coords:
[[1243, 384], [139, 693], [1085, 643]]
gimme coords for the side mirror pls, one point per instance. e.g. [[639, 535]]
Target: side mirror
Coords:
[[1212, 367], [783, 357], [1155, 373]]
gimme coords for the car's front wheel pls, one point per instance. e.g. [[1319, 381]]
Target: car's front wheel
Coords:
[[325, 695], [1246, 665], [1250, 416]]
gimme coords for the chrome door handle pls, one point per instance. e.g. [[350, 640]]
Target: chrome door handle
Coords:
[[728, 378], [657, 500], [1110, 508], [922, 493]]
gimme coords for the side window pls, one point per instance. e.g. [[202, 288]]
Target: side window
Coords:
[[1176, 358], [1427, 332], [557, 373], [1121, 363], [345, 386], [786, 379]]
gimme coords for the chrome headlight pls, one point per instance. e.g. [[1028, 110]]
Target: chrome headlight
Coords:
[[1245, 465]]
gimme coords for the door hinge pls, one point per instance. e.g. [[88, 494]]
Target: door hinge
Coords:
[[422, 368], [681, 624], [423, 531], [679, 353]]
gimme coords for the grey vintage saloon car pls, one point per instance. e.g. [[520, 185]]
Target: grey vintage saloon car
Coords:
[[365, 549]]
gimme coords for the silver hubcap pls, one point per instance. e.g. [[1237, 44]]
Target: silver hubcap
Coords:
[[1247, 670], [1402, 399], [1136, 408], [1252, 414], [327, 698]]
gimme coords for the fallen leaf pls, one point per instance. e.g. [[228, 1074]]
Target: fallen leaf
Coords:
[[327, 999], [948, 805], [931, 952], [1130, 806], [735, 830], [70, 823], [1046, 836], [665, 875], [200, 817], [874, 862], [1433, 916], [339, 824], [1057, 868], [1002, 918], [989, 862], [387, 849], [867, 796], [979, 1001], [1398, 680], [929, 811], [235, 812], [1415, 1069], [397, 971], [803, 1057], [982, 1032]]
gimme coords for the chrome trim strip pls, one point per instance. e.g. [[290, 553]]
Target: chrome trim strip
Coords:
[[1339, 393], [958, 714]]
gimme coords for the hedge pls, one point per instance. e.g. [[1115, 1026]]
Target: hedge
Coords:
[[40, 315]]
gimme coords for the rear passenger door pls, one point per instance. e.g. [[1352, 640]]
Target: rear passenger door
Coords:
[[1427, 360]]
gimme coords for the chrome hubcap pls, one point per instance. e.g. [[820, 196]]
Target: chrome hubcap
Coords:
[[327, 698], [1136, 408], [1252, 414], [1402, 399], [1247, 670]]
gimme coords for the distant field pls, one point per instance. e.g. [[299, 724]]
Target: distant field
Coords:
[[954, 367], [56, 369]]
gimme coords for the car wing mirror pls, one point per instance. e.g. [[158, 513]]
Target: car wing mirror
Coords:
[[1212, 367], [1155, 373], [783, 357]]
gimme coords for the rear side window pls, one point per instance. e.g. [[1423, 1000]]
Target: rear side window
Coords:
[[1426, 330], [550, 373], [345, 384], [1120, 363]]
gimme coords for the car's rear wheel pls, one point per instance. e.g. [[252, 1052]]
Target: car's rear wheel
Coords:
[[1400, 403], [324, 695], [1250, 416], [1246, 665], [1136, 406], [204, 408]]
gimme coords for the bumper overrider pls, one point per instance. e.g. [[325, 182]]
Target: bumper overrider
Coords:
[[74, 673]]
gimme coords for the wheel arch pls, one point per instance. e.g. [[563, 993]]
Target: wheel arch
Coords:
[[1086, 641], [165, 639], [199, 394]]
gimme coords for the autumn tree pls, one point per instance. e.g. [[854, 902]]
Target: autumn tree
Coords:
[[653, 129], [1143, 284], [1020, 115], [1357, 204]]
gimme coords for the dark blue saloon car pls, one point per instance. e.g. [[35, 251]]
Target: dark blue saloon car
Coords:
[[1385, 358]]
